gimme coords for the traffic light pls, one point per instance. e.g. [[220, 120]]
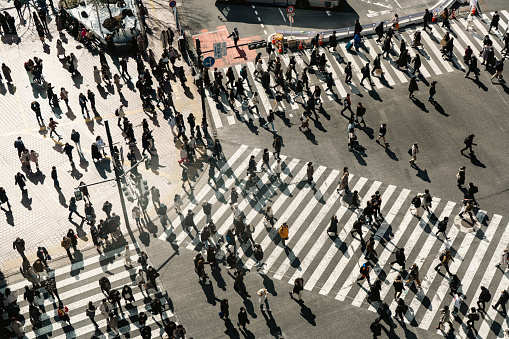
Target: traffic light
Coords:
[[257, 44], [144, 190], [127, 192], [198, 46]]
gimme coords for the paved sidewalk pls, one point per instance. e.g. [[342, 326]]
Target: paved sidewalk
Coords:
[[41, 216]]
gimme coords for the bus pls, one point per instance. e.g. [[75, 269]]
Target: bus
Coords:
[[302, 4]]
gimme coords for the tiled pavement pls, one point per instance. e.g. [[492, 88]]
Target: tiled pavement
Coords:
[[41, 219]]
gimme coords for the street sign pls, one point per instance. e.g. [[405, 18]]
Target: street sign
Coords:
[[224, 49], [290, 9], [173, 3], [217, 50], [209, 61]]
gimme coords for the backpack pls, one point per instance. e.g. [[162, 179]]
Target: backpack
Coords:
[[477, 316], [428, 198], [442, 256], [364, 270], [416, 201], [487, 297]]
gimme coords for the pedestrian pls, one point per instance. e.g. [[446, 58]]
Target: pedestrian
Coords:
[[494, 21], [376, 328], [458, 300], [207, 210], [366, 74], [445, 317], [364, 271], [348, 72], [469, 142], [225, 309], [472, 316], [113, 322], [310, 171], [442, 227], [156, 307], [400, 258], [357, 227], [25, 159], [401, 309], [333, 228], [413, 275], [469, 207], [499, 68], [263, 299], [141, 280], [258, 255], [20, 180], [4, 199], [64, 96], [152, 274], [19, 145], [242, 319], [444, 258], [398, 286], [235, 36], [52, 126], [68, 150], [484, 297], [136, 212], [63, 313], [381, 134], [127, 256], [90, 312], [412, 87], [73, 209], [74, 239], [370, 249], [461, 176], [298, 287], [50, 286], [177, 201], [426, 200], [66, 244], [283, 233], [414, 151], [503, 260], [454, 284], [472, 67], [432, 91], [343, 182], [427, 18], [361, 110]]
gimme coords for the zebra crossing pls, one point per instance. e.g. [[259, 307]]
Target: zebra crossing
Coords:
[[433, 64], [330, 265], [78, 284]]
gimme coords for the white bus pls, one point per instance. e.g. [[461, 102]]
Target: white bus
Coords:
[[302, 4]]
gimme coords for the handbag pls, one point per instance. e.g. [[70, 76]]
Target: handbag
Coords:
[[396, 26], [443, 42]]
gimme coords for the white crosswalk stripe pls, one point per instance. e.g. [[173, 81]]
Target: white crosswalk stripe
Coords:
[[76, 291], [433, 64]]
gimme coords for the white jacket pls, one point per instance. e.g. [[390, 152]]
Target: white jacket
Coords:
[[278, 167]]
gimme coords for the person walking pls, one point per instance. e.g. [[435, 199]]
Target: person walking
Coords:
[[310, 171], [502, 301], [364, 271], [427, 18], [235, 36], [381, 134], [413, 275], [503, 260], [376, 328], [445, 317], [333, 228], [472, 316], [270, 120], [432, 91], [444, 258], [494, 21], [472, 67], [366, 74], [343, 182], [401, 310], [400, 258], [242, 319], [469, 142], [414, 151], [469, 207], [73, 208], [52, 126], [361, 110], [298, 287], [68, 151], [484, 297], [20, 180], [90, 312], [263, 299], [4, 199], [277, 146], [347, 105], [461, 176], [348, 72], [265, 160], [357, 228], [63, 313], [398, 286], [412, 87], [499, 68], [442, 227], [426, 200], [66, 244], [283, 233]]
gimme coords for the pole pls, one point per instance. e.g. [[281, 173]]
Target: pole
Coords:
[[204, 123], [291, 27], [117, 176]]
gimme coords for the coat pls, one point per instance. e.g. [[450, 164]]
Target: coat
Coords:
[[344, 181], [445, 316], [60, 49], [97, 76], [7, 73], [283, 231], [412, 86]]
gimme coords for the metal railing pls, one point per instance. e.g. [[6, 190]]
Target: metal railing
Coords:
[[347, 32]]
